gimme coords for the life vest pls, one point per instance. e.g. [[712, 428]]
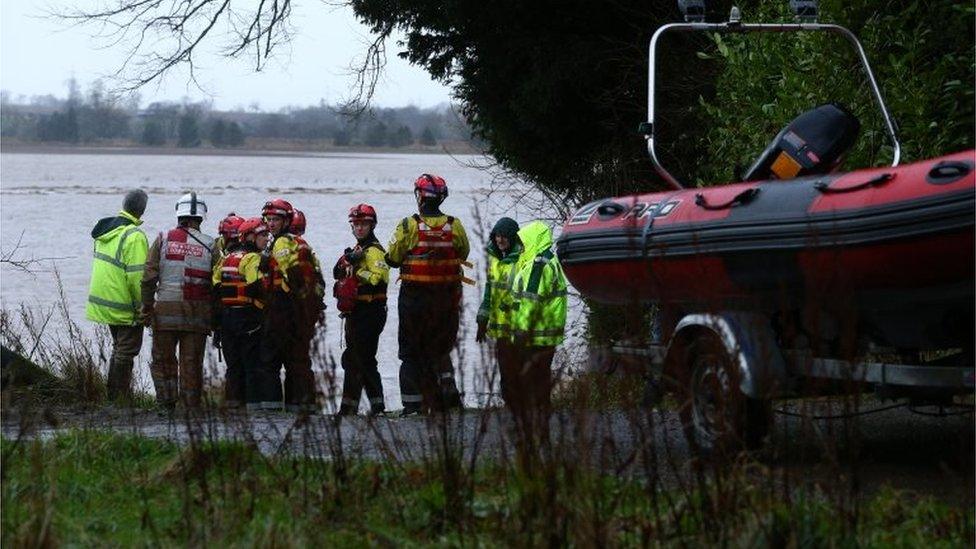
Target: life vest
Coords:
[[304, 260], [184, 266], [234, 289], [434, 260], [308, 266]]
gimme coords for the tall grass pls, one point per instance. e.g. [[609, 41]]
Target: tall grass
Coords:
[[603, 471]]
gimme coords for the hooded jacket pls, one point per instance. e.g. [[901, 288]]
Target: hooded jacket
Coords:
[[539, 290], [120, 251], [496, 304]]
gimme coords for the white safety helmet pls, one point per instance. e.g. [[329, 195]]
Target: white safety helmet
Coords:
[[189, 205]]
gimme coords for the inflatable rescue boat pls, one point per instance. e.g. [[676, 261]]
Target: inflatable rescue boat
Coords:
[[891, 248]]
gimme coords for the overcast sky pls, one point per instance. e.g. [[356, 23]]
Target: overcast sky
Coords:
[[38, 55]]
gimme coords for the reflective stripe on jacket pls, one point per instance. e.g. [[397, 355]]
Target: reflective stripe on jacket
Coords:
[[405, 237], [539, 289], [496, 305], [434, 259], [292, 256], [178, 282], [120, 250], [373, 273], [239, 280], [185, 264]]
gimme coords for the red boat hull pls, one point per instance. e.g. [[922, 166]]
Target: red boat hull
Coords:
[[887, 244]]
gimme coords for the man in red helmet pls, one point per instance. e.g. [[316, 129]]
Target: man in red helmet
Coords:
[[428, 248], [365, 322], [239, 285], [294, 306], [229, 230]]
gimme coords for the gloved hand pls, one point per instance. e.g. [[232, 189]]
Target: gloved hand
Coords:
[[217, 339], [145, 315], [482, 331], [354, 255]]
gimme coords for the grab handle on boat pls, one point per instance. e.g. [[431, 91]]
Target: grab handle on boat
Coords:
[[610, 209], [824, 186], [744, 197], [948, 171]]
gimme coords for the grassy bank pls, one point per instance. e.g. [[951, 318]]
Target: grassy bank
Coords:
[[99, 489]]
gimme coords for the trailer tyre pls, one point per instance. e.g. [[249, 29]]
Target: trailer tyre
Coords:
[[718, 419]]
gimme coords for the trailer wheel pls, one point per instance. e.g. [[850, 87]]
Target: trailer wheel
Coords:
[[717, 417]]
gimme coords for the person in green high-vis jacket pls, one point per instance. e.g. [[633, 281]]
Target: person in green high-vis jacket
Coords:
[[538, 320], [494, 314], [114, 296]]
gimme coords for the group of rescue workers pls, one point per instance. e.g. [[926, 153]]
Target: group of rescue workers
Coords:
[[259, 290]]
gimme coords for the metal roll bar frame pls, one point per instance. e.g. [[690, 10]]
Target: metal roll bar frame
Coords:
[[734, 25]]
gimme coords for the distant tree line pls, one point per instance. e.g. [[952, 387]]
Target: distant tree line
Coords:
[[97, 116]]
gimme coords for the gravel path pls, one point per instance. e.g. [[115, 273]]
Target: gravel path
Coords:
[[928, 455]]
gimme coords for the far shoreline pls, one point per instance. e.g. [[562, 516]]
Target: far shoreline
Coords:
[[277, 148]]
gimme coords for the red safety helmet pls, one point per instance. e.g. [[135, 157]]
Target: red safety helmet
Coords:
[[278, 206], [430, 185], [362, 212], [230, 226], [298, 223], [253, 225]]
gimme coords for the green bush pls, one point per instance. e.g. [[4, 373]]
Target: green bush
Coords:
[[922, 55]]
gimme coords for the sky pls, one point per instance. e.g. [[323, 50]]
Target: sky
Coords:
[[38, 54]]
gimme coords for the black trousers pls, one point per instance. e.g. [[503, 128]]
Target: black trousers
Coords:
[[248, 378], [287, 335], [429, 320], [363, 328]]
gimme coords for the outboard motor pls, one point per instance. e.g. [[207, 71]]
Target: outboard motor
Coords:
[[813, 143]]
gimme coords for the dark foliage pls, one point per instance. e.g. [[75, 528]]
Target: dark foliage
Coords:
[[919, 54], [427, 137], [189, 132], [153, 134], [556, 90]]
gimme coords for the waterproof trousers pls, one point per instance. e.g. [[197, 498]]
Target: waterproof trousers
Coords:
[[286, 340], [526, 376], [526, 380], [126, 343], [363, 328], [177, 367], [429, 319], [248, 379]]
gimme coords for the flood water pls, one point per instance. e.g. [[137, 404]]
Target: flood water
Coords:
[[50, 202]]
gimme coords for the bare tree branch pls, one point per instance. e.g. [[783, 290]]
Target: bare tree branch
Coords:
[[27, 265], [367, 74], [160, 35]]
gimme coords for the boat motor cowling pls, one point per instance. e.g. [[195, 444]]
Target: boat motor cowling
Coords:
[[813, 143]]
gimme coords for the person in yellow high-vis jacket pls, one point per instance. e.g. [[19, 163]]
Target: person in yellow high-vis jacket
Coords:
[[429, 248], [538, 319], [294, 307], [366, 265], [497, 305], [114, 296], [240, 286]]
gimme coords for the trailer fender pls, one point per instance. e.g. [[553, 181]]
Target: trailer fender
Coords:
[[750, 342]]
